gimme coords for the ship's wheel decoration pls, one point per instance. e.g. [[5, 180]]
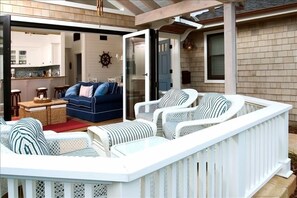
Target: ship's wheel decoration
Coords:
[[105, 59]]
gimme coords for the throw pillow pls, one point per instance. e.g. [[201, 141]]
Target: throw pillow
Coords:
[[212, 105], [86, 91], [72, 91], [2, 121], [102, 89], [173, 97], [26, 137], [112, 87]]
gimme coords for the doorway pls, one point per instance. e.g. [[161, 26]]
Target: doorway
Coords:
[[164, 66], [78, 68]]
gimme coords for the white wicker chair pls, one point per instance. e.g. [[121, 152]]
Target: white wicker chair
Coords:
[[179, 122], [152, 111]]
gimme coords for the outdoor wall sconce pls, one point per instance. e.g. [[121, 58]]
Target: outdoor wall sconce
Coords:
[[188, 44]]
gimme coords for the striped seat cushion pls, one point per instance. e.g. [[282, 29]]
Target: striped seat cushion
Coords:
[[173, 97], [127, 131], [212, 105], [26, 137]]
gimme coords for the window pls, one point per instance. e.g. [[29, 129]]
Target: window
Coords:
[[214, 57]]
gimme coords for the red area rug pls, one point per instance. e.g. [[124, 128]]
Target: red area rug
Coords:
[[67, 126]]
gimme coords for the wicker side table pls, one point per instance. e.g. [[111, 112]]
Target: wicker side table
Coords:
[[52, 112]]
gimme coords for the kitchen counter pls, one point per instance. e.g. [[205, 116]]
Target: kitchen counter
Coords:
[[29, 85]]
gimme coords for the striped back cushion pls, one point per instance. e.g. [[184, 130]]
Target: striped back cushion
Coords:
[[2, 121], [127, 131], [26, 137], [173, 97], [212, 105]]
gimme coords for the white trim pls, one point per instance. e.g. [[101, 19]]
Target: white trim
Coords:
[[206, 80], [70, 24], [121, 10]]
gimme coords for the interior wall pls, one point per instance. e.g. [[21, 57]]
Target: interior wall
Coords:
[[94, 47]]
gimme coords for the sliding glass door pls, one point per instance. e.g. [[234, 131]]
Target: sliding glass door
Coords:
[[5, 84], [139, 70]]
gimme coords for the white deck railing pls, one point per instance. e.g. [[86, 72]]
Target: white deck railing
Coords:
[[232, 159]]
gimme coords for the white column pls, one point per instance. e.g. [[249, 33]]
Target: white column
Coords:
[[230, 48]]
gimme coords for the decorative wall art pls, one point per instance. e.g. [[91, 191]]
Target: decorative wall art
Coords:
[[105, 59]]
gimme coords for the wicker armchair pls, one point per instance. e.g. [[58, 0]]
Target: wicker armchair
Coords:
[[65, 144], [212, 109], [173, 99]]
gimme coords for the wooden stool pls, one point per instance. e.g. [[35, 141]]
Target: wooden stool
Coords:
[[15, 99], [41, 90], [59, 90]]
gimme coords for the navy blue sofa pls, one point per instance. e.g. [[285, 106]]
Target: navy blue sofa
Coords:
[[95, 108]]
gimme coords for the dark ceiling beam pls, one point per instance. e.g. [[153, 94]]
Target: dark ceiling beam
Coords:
[[176, 1]]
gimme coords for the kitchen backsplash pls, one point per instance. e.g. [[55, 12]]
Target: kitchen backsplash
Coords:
[[26, 72]]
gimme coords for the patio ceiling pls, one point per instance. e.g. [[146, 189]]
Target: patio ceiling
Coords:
[[158, 14]]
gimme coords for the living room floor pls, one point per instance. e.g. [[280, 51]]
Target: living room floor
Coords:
[[95, 123]]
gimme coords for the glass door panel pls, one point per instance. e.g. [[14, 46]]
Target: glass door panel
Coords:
[[136, 71]]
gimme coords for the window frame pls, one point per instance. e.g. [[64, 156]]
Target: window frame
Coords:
[[206, 80]]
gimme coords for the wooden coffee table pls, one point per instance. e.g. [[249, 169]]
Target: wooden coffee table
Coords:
[[52, 112]]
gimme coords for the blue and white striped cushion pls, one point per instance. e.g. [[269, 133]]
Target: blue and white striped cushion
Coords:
[[127, 131], [2, 121], [173, 97], [212, 105], [26, 137]]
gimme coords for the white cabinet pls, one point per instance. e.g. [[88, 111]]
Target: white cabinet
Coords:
[[33, 57], [18, 57], [29, 50]]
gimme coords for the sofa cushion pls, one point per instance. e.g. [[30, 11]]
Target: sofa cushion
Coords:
[[80, 101], [173, 97], [112, 88], [73, 90], [102, 89], [26, 137], [86, 91]]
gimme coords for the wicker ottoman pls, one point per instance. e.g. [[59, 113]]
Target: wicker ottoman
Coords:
[[108, 135]]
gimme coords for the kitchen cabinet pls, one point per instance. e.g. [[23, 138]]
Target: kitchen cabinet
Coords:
[[29, 50], [18, 57]]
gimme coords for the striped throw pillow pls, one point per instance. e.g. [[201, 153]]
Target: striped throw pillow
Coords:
[[26, 137], [211, 105], [173, 97], [2, 121]]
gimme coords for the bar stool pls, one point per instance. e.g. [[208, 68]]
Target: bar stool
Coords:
[[15, 99], [41, 90], [59, 90]]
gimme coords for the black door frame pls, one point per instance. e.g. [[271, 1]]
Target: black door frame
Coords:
[[5, 21]]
